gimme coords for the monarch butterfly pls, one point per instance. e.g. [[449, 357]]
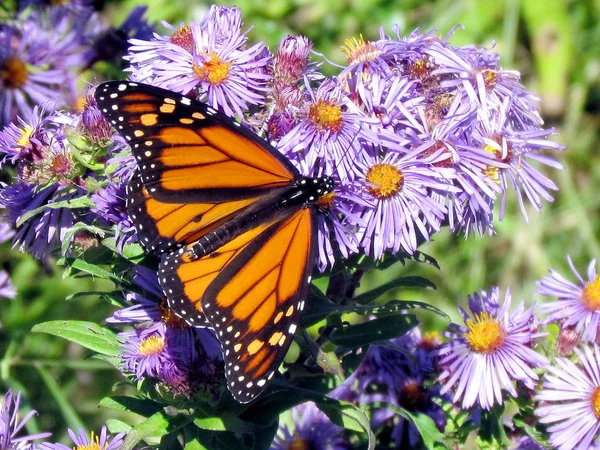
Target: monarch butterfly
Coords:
[[233, 220]]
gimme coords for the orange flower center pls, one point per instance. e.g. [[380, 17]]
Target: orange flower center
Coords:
[[326, 201], [591, 295], [13, 73], [596, 402], [214, 71], [357, 51], [300, 444], [326, 116], [385, 180], [151, 345], [412, 396], [184, 38], [486, 334]]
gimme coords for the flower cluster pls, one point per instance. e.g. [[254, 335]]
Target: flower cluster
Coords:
[[165, 348], [416, 132]]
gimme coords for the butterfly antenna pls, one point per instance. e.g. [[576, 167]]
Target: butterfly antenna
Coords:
[[347, 150]]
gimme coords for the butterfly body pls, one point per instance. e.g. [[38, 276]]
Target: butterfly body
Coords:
[[234, 221]]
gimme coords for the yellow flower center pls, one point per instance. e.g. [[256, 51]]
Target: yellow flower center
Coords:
[[326, 116], [93, 445], [591, 295], [299, 444], [357, 51], [421, 68], [596, 402], [385, 180], [486, 334], [215, 71], [23, 140], [151, 345], [326, 201], [412, 396], [493, 172], [184, 38], [13, 73]]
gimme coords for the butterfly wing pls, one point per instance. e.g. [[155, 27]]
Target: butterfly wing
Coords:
[[252, 290], [197, 167]]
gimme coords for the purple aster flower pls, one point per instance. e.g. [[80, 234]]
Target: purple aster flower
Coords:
[[185, 358], [570, 401], [82, 441], [110, 205], [397, 374], [329, 131], [43, 233], [37, 58], [312, 430], [578, 304], [11, 426], [7, 290], [397, 186], [491, 352], [208, 56], [515, 149], [144, 351]]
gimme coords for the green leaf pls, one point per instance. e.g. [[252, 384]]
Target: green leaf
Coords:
[[155, 426], [138, 404], [376, 330], [88, 334], [350, 417], [224, 423], [76, 228], [374, 294], [319, 308], [116, 426], [92, 269], [432, 437], [74, 203]]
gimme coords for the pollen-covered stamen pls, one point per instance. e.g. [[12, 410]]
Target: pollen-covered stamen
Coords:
[[595, 399], [413, 396], [94, 443], [326, 116], [502, 151], [151, 345], [590, 296], [358, 51], [23, 140], [61, 166], [168, 317], [13, 73], [490, 78], [384, 181], [486, 334], [437, 109], [184, 38], [213, 70], [421, 68]]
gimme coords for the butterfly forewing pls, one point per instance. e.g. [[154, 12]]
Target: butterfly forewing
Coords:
[[188, 152]]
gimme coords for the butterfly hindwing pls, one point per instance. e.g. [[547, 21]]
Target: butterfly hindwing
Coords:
[[188, 152], [252, 290], [256, 301]]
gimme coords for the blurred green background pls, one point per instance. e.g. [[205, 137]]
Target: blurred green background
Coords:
[[555, 44]]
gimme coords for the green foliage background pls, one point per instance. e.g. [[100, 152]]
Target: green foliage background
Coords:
[[555, 44]]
